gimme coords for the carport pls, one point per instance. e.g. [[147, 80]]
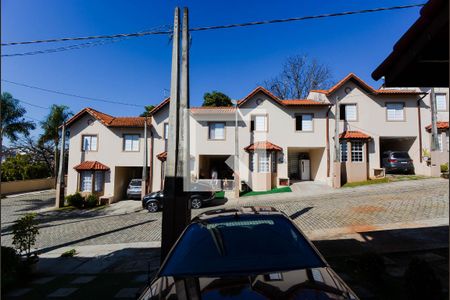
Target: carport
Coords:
[[398, 144], [122, 177]]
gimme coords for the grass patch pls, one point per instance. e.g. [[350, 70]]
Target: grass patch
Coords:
[[65, 208], [220, 195], [285, 189], [389, 178]]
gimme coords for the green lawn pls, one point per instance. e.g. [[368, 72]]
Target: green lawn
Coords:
[[272, 191], [390, 178]]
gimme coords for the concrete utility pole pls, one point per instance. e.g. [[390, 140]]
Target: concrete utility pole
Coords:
[[236, 153], [60, 180], [337, 153], [434, 133], [176, 212], [145, 162]]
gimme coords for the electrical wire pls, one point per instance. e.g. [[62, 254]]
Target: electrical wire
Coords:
[[162, 32], [72, 95]]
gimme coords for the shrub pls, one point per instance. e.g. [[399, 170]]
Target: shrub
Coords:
[[421, 281], [25, 231], [444, 168], [75, 200], [10, 267], [91, 200], [69, 253]]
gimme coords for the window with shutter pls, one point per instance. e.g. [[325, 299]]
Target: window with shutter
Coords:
[[342, 112], [216, 131], [350, 112], [260, 123], [441, 102], [298, 123], [395, 111]]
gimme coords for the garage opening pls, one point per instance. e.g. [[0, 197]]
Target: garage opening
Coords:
[[397, 144], [122, 177]]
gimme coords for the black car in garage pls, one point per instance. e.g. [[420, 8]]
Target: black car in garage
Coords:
[[397, 162]]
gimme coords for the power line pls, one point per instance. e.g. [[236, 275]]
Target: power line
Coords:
[[32, 104], [71, 95], [145, 33]]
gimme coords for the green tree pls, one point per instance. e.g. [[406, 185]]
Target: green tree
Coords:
[[12, 122], [22, 167], [216, 98], [51, 126], [148, 109]]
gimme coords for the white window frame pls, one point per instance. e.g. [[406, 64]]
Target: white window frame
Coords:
[[343, 147], [99, 181], [89, 138], [441, 106], [131, 145], [212, 133], [346, 107], [264, 117], [166, 131], [86, 181], [395, 111], [357, 151], [264, 162]]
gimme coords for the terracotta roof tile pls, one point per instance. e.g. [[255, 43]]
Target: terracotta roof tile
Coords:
[[353, 134], [109, 120], [91, 166], [305, 102], [162, 156], [366, 87], [265, 145], [213, 109], [160, 106], [255, 91], [439, 125]]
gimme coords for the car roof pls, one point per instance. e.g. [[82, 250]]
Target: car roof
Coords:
[[244, 210]]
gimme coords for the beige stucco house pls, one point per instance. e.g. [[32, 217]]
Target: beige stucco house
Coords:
[[279, 141]]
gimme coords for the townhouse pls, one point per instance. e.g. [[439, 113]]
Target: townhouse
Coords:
[[279, 141]]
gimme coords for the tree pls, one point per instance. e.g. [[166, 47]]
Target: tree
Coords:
[[299, 75], [216, 98], [51, 126], [23, 167], [12, 121], [148, 109], [39, 151]]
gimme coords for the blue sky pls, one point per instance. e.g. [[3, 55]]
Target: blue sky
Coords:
[[233, 61]]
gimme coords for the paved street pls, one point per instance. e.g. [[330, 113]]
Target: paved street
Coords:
[[344, 211]]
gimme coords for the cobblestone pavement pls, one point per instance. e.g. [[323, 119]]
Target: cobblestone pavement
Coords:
[[363, 207]]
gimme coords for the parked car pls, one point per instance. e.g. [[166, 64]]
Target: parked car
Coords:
[[134, 189], [397, 162], [245, 253], [153, 202]]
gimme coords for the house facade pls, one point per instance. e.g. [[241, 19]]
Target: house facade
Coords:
[[279, 141]]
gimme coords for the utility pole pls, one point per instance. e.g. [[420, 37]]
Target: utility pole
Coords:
[[337, 154], [60, 180], [145, 163], [176, 211], [236, 153], [434, 133]]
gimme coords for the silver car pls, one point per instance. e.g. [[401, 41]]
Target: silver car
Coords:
[[134, 189]]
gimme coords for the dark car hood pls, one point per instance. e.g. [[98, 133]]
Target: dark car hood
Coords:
[[319, 283]]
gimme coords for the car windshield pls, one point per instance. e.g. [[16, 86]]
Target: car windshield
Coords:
[[400, 155], [241, 244], [135, 182]]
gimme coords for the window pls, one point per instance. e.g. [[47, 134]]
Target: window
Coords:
[[217, 131], [260, 123], [348, 112], [131, 142], [446, 139], [304, 122], [274, 162], [357, 151], [86, 181], [343, 151], [395, 111], [89, 143], [441, 102], [263, 163], [440, 148], [166, 131], [99, 180], [251, 161]]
